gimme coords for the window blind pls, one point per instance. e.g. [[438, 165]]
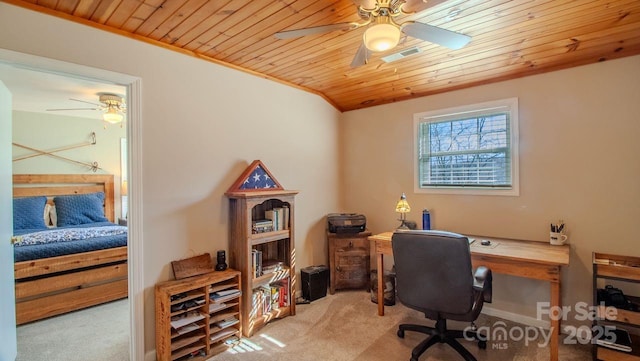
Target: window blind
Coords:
[[466, 149]]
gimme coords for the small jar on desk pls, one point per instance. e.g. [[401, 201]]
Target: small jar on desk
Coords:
[[349, 260]]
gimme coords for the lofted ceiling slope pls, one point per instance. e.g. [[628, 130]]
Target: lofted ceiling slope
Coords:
[[509, 39]]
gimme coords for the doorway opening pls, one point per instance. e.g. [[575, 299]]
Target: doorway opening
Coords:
[[131, 132]]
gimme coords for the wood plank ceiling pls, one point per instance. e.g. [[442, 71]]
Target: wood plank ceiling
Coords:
[[510, 39]]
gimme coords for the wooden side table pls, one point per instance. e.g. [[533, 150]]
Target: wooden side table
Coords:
[[349, 260]]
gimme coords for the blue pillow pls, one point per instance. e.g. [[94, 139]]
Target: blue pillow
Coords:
[[80, 209], [28, 213]]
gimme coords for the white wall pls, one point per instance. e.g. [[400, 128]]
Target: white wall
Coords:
[[203, 124], [579, 149], [8, 348], [47, 132]]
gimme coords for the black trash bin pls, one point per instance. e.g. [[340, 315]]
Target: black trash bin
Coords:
[[314, 282], [389, 283]]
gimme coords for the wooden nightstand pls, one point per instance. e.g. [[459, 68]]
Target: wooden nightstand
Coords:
[[122, 221], [349, 260]]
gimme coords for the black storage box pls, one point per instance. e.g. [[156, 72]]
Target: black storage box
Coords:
[[314, 282]]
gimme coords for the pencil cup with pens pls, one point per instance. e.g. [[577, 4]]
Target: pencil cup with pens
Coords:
[[557, 236]]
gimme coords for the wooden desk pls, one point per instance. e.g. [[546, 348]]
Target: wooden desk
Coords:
[[536, 260]]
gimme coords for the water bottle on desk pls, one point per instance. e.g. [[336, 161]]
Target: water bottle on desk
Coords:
[[426, 219]]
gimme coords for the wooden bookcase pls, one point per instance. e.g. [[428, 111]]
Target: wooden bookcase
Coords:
[[194, 322], [275, 245], [624, 269]]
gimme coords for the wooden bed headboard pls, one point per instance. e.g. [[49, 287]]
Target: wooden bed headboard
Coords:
[[28, 185]]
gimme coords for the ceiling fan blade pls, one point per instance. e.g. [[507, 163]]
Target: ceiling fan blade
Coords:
[[362, 56], [84, 101], [55, 110], [288, 34], [416, 6], [434, 34]]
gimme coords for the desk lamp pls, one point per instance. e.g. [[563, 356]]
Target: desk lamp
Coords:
[[403, 208]]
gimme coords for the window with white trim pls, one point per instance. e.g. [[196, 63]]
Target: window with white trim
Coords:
[[468, 150]]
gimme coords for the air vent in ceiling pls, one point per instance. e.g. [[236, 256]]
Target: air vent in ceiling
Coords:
[[402, 54]]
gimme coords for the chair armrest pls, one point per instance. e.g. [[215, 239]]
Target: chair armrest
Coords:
[[482, 282]]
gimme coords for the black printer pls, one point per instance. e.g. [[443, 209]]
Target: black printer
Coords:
[[346, 222]]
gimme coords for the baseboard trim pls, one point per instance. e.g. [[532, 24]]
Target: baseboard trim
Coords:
[[515, 317], [150, 355]]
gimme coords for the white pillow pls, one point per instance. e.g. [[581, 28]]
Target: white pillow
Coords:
[[46, 217], [50, 216], [53, 215]]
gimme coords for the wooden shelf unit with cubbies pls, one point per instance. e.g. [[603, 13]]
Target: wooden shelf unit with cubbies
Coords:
[[275, 245], [625, 270], [199, 316]]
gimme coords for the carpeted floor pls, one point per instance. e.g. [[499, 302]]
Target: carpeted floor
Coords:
[[345, 327], [99, 333], [340, 327]]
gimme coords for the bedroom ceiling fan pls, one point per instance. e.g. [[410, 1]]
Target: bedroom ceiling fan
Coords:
[[383, 32], [112, 106]]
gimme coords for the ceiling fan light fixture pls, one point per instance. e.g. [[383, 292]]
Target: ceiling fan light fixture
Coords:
[[115, 108], [382, 36], [112, 116]]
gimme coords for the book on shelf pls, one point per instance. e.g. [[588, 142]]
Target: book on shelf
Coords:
[[256, 263], [615, 338], [272, 214], [284, 298], [271, 265], [283, 292], [279, 216], [262, 300], [266, 299], [261, 267], [262, 226], [275, 297], [271, 297], [262, 222], [285, 216]]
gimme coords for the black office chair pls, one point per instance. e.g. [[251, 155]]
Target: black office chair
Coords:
[[434, 276]]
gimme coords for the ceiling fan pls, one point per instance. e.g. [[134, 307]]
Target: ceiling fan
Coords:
[[112, 106], [383, 32]]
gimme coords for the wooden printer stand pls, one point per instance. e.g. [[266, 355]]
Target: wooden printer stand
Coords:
[[349, 260]]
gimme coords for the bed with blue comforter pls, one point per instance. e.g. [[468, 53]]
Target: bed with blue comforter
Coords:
[[33, 244], [68, 253]]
